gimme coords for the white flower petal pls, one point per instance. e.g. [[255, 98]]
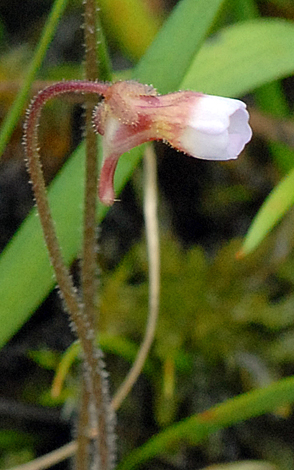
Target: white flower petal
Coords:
[[218, 128], [208, 147]]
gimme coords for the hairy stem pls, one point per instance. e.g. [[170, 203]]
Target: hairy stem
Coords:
[[102, 418], [94, 375], [88, 275], [63, 278], [89, 278]]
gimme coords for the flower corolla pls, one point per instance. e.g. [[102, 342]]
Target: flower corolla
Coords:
[[202, 126]]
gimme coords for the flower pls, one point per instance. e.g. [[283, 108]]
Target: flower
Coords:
[[203, 126]]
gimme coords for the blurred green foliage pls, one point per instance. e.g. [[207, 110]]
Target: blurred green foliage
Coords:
[[218, 309], [16, 448], [225, 326], [222, 327]]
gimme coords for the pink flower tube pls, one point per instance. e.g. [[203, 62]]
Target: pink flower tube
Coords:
[[203, 126]]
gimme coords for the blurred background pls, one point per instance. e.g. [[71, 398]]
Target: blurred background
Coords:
[[225, 326]]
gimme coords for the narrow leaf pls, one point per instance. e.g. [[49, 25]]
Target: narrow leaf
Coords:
[[242, 57], [274, 207], [195, 429], [166, 62]]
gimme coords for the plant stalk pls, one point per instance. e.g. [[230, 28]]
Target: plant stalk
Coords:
[[94, 374], [103, 415]]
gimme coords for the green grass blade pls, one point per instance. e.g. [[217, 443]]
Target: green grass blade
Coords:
[[273, 209], [166, 62], [196, 428], [26, 274], [17, 108], [243, 57]]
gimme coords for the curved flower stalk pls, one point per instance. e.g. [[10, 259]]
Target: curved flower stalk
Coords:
[[130, 114], [203, 126], [81, 320]]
